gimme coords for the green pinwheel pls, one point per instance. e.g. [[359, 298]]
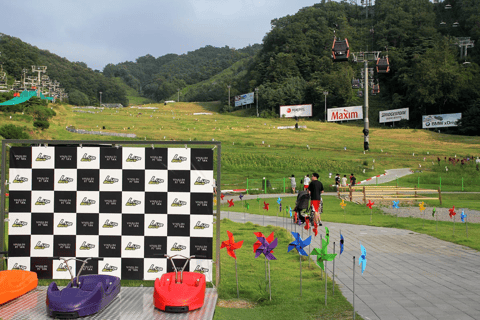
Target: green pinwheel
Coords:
[[322, 255]]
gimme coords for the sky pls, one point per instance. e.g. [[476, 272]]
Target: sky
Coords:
[[99, 32]]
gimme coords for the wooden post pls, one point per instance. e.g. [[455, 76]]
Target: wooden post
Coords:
[[364, 196], [440, 195], [415, 191], [351, 193]]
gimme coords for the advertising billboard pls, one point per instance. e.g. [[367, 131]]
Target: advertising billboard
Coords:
[[244, 99], [346, 113], [441, 120], [393, 115], [301, 110]]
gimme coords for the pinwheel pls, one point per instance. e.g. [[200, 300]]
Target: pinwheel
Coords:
[[463, 216], [452, 212], [307, 223], [433, 211], [267, 249], [315, 228], [290, 211], [258, 200], [280, 207], [230, 203], [363, 258], [327, 235], [421, 206], [231, 247], [395, 204], [436, 221], [258, 243], [369, 205], [265, 205], [343, 204], [299, 244], [322, 255], [222, 196], [342, 242], [247, 205], [215, 201], [240, 196], [279, 200]]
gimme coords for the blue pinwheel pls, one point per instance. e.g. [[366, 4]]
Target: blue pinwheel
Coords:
[[240, 196], [290, 211], [279, 200], [342, 242], [363, 258], [266, 248], [463, 216], [299, 244], [395, 204]]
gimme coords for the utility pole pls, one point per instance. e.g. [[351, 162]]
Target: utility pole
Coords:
[[326, 94], [256, 90], [100, 99], [178, 95], [228, 96]]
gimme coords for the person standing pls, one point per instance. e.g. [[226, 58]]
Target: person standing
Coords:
[[351, 175], [353, 180], [306, 182], [315, 189], [337, 181], [293, 183], [344, 180]]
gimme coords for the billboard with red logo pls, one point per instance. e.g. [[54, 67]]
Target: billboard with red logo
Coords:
[[346, 113], [301, 110]]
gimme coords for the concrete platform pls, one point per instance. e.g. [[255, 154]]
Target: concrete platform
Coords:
[[131, 303]]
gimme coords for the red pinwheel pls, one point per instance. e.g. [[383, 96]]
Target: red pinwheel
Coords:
[[307, 224], [222, 196], [230, 203], [257, 244], [265, 205], [295, 216], [452, 212], [370, 204], [315, 228], [231, 245]]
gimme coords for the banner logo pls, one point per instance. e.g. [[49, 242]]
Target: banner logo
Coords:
[[87, 158], [110, 180], [201, 225], [41, 202], [19, 179], [108, 268], [132, 203], [155, 181], [41, 246], [201, 182], [19, 224], [154, 269], [86, 246], [17, 266], [109, 224], [131, 246], [178, 203], [201, 270], [42, 157], [87, 202], [178, 159], [63, 267], [178, 247], [155, 225], [64, 224], [64, 179], [132, 158]]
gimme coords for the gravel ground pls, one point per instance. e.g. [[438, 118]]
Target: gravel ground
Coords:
[[442, 214]]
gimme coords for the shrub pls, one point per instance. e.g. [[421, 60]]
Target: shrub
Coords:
[[11, 131], [42, 124]]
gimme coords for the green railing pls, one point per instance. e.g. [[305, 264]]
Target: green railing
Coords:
[[267, 185]]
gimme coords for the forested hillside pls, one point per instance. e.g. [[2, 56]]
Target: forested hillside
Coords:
[[158, 78], [427, 73], [80, 82]]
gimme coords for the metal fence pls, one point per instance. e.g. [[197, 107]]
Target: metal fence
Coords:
[[102, 133], [267, 185]]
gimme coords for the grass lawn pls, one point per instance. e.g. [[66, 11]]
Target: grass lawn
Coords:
[[360, 215]]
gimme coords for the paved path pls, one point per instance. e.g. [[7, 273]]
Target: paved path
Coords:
[[408, 275], [390, 175]]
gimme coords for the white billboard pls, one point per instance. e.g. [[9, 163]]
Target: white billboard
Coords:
[[301, 110], [244, 99], [441, 120], [346, 113], [393, 115]]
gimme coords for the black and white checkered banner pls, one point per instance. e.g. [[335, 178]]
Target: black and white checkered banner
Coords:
[[127, 205]]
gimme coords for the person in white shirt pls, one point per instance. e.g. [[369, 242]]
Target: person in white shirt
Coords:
[[344, 180], [306, 182]]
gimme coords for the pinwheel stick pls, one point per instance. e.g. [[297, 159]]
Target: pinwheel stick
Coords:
[[343, 214], [454, 224], [300, 274], [321, 270], [269, 283], [326, 279], [371, 214], [333, 279], [423, 219], [466, 226], [236, 277], [353, 287]]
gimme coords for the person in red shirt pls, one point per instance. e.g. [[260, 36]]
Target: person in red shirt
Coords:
[[315, 189]]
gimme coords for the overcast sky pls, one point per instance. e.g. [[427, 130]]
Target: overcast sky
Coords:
[[99, 32]]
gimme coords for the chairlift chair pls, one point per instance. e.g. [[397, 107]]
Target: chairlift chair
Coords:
[[376, 89], [340, 50], [382, 65], [355, 84]]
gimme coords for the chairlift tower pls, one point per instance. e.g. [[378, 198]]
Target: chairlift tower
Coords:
[[464, 43], [39, 70], [366, 57]]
